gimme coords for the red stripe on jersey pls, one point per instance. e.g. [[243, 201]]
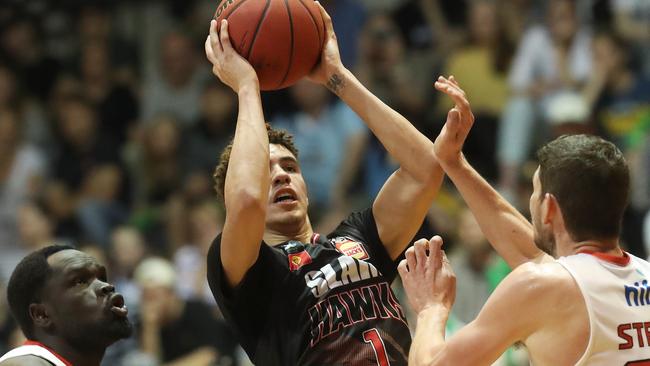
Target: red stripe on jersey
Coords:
[[35, 343], [614, 259]]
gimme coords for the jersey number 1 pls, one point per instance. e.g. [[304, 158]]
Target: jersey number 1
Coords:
[[372, 336]]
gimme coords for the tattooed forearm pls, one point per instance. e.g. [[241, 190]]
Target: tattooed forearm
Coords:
[[335, 83]]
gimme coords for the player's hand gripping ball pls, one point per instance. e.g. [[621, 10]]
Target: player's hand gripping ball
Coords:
[[282, 39]]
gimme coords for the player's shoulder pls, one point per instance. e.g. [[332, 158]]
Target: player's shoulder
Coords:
[[536, 278], [27, 360]]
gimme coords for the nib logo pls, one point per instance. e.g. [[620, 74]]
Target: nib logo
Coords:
[[639, 294]]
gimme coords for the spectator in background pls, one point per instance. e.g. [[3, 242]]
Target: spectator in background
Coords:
[[385, 68], [568, 114], [90, 168], [95, 26], [157, 165], [126, 251], [205, 221], [35, 130], [482, 64], [621, 98], [116, 106], [176, 88], [470, 260], [348, 17], [35, 227], [174, 330], [22, 168], [21, 46], [206, 139], [331, 140], [632, 21], [619, 94], [59, 204], [551, 58]]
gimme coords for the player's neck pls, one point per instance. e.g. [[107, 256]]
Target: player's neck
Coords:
[[90, 357], [278, 235], [567, 246]]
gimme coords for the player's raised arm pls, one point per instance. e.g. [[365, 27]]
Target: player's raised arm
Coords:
[[400, 207], [521, 305], [246, 186], [505, 228]]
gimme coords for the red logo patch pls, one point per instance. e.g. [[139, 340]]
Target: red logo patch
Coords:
[[297, 260], [351, 248]]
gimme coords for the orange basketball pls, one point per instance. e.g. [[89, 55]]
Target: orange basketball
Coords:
[[282, 39]]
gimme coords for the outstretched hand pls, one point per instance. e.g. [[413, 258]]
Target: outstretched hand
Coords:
[[231, 68], [428, 278], [328, 71], [449, 143]]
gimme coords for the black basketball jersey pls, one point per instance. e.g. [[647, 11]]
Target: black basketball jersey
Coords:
[[327, 302]]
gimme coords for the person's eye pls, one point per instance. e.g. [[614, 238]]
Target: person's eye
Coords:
[[80, 281], [291, 169]]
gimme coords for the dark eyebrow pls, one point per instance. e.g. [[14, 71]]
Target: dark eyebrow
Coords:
[[289, 159]]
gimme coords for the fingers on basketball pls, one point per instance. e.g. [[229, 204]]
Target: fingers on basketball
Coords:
[[326, 18]]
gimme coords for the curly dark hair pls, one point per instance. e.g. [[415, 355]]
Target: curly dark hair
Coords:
[[278, 137], [26, 284]]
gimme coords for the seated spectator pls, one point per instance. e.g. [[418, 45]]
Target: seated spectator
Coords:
[[117, 108], [22, 168], [481, 65], [127, 250], [176, 88], [471, 259], [550, 59], [206, 139], [22, 47], [621, 98], [172, 329], [205, 222], [90, 168], [156, 162]]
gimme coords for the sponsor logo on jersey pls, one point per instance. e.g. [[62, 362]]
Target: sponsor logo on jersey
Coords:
[[350, 247], [637, 294], [298, 260]]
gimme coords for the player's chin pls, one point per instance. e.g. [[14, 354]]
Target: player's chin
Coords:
[[120, 328]]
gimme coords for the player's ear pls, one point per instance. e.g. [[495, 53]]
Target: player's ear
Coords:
[[550, 208], [40, 315]]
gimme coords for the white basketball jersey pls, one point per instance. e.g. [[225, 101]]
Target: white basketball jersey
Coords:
[[35, 349], [617, 294]]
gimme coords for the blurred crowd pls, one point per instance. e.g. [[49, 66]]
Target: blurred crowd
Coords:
[[111, 124]]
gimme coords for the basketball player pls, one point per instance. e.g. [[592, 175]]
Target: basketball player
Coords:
[[65, 307], [292, 296], [574, 296]]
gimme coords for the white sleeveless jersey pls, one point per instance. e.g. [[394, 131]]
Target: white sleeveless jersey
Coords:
[[35, 349], [617, 294]]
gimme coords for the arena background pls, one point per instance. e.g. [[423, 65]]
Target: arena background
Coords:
[[111, 124]]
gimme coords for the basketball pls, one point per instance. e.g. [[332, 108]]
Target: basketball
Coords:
[[282, 39]]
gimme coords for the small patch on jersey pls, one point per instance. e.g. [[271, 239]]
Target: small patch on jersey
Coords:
[[350, 247], [297, 260]]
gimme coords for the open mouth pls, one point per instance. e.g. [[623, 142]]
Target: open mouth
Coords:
[[118, 306], [284, 196]]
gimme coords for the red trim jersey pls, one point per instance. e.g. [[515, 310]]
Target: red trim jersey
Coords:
[[617, 294], [33, 348]]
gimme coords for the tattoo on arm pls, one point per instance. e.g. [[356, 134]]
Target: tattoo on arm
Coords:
[[335, 83]]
